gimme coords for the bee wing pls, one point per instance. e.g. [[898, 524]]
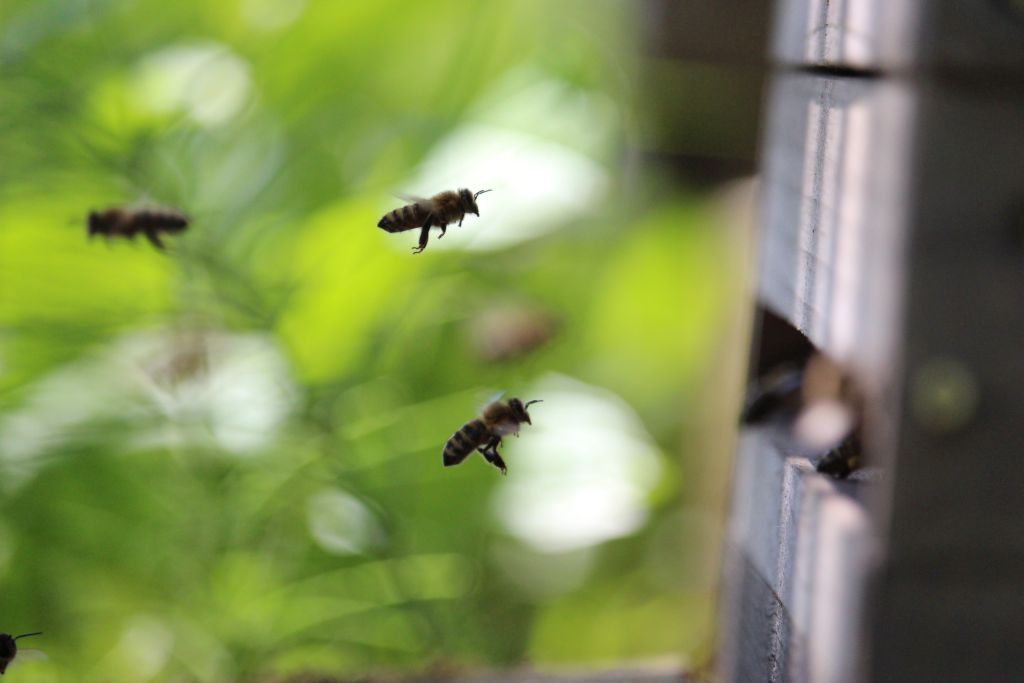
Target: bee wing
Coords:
[[24, 656], [31, 655], [412, 198], [496, 396]]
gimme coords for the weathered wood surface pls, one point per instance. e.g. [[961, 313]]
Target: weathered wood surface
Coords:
[[901, 35], [892, 236], [798, 551], [835, 189], [857, 34]]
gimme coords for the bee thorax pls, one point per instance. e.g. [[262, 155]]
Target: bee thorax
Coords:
[[506, 427]]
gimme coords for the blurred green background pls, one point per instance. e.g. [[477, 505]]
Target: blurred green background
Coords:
[[224, 462]]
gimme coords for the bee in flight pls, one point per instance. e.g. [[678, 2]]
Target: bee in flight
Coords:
[[8, 648], [127, 223], [484, 433], [440, 210]]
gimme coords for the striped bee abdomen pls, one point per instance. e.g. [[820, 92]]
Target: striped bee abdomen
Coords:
[[168, 221], [406, 217], [464, 442]]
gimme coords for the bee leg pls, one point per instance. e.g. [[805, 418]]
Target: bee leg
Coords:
[[495, 459], [424, 235], [490, 452], [444, 229], [155, 240]]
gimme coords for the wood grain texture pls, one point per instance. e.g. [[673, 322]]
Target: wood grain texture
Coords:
[[834, 203], [798, 552], [907, 36], [855, 34]]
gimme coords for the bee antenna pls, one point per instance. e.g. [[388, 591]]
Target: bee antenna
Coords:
[[479, 193], [26, 635], [536, 400]]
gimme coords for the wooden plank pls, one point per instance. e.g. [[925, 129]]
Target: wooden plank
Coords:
[[909, 35], [836, 549], [754, 623], [857, 34], [798, 551], [833, 221]]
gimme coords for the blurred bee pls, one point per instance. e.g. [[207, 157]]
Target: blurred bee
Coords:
[[843, 460], [8, 648], [127, 223], [774, 395], [440, 210], [504, 331], [484, 433], [820, 404]]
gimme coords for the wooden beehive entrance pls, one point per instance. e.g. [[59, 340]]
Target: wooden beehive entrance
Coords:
[[892, 165]]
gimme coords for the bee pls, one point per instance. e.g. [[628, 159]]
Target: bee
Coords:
[[8, 648], [820, 404], [776, 394], [484, 433], [501, 332], [440, 210], [127, 223], [843, 460]]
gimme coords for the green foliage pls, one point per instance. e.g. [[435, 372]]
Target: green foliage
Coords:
[[223, 462]]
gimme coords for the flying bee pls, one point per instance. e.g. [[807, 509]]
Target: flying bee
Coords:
[[504, 331], [484, 433], [127, 223], [8, 648], [440, 210]]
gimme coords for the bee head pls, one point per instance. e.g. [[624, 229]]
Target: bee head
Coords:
[[468, 200], [95, 223], [519, 409]]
